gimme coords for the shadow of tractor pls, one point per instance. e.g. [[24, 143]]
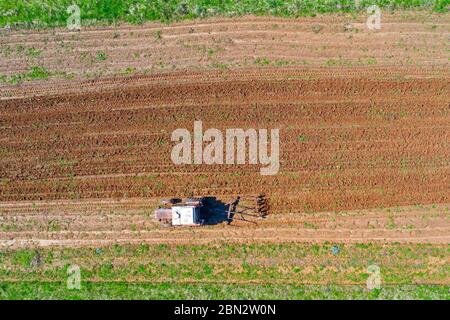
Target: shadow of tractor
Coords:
[[216, 211]]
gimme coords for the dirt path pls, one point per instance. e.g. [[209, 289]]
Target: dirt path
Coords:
[[103, 222]]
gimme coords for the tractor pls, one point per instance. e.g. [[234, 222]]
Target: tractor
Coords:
[[208, 210]]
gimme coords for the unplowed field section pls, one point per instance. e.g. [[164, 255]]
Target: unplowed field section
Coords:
[[349, 138], [409, 39]]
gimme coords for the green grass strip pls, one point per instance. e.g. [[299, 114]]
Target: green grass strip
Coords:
[[125, 290], [53, 13]]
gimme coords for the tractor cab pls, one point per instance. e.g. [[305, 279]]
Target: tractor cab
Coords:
[[176, 212], [186, 215]]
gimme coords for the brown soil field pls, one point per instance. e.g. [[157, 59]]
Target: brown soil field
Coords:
[[363, 117]]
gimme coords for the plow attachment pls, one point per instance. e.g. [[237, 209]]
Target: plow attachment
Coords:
[[248, 209]]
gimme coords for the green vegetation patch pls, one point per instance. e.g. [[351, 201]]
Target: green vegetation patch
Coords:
[[127, 290], [53, 13], [34, 73], [217, 270]]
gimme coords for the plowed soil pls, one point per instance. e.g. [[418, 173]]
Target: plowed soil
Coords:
[[352, 135]]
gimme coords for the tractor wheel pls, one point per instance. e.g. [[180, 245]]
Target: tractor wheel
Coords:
[[170, 201], [166, 223], [194, 201]]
